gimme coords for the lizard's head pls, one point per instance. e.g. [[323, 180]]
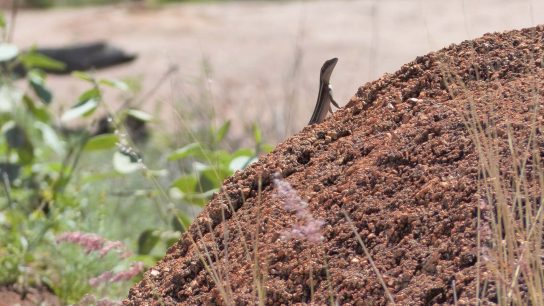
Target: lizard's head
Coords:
[[327, 68]]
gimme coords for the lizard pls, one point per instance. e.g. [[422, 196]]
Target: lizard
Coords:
[[324, 96]]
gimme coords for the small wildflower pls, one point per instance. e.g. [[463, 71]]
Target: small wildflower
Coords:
[[90, 300], [110, 245], [122, 276], [126, 254], [93, 243], [100, 279], [310, 231], [107, 302], [87, 300], [310, 228], [126, 275], [89, 242], [288, 195]]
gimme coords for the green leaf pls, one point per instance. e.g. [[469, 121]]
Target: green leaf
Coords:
[[115, 84], [15, 135], [188, 150], [37, 81], [39, 112], [243, 152], [222, 132], [169, 237], [16, 138], [138, 114], [2, 20], [180, 222], [34, 59], [10, 97], [101, 142], [267, 148], [80, 110], [12, 171], [170, 242], [257, 135], [8, 52], [50, 137], [147, 241], [125, 163], [91, 94], [83, 76], [148, 260], [241, 162], [201, 198], [186, 183], [213, 177], [218, 157]]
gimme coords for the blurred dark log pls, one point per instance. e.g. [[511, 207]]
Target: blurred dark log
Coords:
[[86, 56]]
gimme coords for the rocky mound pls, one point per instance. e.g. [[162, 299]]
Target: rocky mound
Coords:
[[398, 160]]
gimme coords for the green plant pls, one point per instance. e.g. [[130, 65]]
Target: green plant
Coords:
[[58, 178], [38, 167], [203, 168]]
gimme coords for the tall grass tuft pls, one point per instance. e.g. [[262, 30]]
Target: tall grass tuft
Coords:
[[510, 219]]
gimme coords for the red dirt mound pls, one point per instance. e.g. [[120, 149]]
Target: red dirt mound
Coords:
[[398, 159]]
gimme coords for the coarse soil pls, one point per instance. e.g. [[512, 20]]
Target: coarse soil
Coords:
[[399, 160], [9, 296]]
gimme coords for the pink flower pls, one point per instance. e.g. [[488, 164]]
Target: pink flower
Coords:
[[122, 276], [107, 302], [310, 231], [110, 245], [126, 275], [100, 279], [310, 228], [89, 242], [90, 299], [93, 243], [290, 198]]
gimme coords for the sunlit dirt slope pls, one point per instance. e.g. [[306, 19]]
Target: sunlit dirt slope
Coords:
[[399, 160]]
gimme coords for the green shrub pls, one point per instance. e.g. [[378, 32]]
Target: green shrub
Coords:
[[58, 180]]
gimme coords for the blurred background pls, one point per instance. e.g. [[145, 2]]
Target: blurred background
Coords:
[[259, 60]]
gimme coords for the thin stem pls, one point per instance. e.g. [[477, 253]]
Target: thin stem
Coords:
[[369, 257], [14, 12], [7, 189]]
